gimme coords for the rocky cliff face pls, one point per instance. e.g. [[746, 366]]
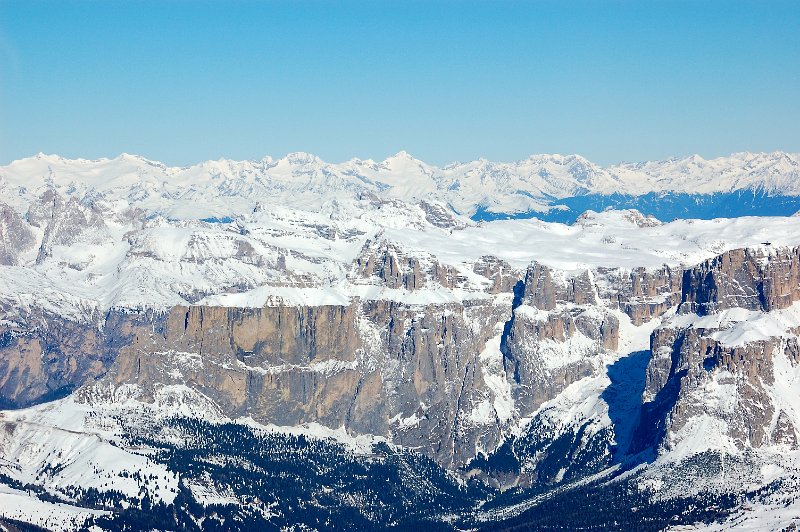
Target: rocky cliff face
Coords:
[[43, 356], [722, 369], [643, 294], [374, 367], [454, 372], [557, 328], [391, 266], [693, 377], [450, 378], [16, 237], [743, 278]]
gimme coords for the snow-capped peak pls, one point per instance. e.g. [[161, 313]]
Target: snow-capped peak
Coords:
[[524, 185]]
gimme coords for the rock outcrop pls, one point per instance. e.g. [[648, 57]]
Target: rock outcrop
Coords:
[[389, 265], [62, 220], [374, 367], [642, 294], [16, 237], [743, 278], [417, 374], [555, 332], [694, 373], [43, 356]]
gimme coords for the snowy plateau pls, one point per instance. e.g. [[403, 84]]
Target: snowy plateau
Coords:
[[292, 344]]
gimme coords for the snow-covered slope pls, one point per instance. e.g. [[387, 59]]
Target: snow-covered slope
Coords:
[[224, 187], [105, 258], [173, 320]]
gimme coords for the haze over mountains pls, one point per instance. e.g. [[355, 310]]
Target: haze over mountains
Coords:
[[290, 343]]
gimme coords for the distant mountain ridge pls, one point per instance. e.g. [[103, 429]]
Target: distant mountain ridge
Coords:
[[541, 186]]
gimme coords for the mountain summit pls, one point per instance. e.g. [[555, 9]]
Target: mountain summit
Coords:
[[541, 186]]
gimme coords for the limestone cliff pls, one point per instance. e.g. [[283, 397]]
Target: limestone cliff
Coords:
[[714, 369], [743, 278], [451, 378]]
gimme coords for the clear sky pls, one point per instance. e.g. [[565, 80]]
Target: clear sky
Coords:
[[182, 81]]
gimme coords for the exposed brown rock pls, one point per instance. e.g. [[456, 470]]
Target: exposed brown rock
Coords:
[[45, 355], [642, 294], [750, 279], [685, 361], [502, 276]]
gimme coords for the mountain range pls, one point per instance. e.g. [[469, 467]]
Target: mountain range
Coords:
[[550, 187], [290, 344]]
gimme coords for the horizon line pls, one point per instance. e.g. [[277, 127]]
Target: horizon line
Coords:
[[397, 155]]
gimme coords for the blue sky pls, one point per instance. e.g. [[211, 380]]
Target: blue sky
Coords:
[[182, 81]]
